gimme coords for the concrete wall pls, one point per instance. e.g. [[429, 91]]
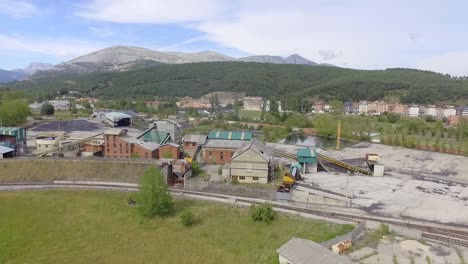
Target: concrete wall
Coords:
[[304, 197], [283, 260], [350, 236]]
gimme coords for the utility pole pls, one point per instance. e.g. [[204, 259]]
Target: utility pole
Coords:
[[338, 136]]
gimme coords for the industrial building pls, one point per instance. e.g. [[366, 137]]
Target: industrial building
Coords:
[[192, 142], [169, 151], [221, 145], [13, 138], [44, 143], [119, 145], [253, 162], [304, 251], [308, 159], [167, 126], [117, 119], [6, 152]]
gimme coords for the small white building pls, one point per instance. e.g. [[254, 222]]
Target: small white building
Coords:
[[363, 107], [253, 103], [413, 111], [449, 111], [430, 110]]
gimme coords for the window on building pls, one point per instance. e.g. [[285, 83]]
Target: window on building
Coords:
[[107, 137], [255, 178], [146, 155], [209, 153], [241, 178], [221, 155], [120, 145], [114, 137], [115, 145]]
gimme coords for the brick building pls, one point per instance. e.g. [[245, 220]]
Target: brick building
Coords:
[[191, 142], [169, 151], [221, 145], [119, 145]]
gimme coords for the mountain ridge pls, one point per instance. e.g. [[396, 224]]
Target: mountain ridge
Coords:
[[124, 58]]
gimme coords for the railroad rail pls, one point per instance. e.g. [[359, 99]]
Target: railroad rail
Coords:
[[444, 235]]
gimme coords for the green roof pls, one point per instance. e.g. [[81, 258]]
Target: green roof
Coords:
[[230, 135], [154, 136], [18, 132], [306, 152]]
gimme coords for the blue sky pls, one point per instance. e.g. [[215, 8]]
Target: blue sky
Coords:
[[361, 34]]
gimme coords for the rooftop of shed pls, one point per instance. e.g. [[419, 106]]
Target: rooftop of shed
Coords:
[[230, 135]]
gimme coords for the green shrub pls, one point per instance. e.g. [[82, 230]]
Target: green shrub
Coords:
[[187, 218], [154, 198], [220, 170], [263, 213]]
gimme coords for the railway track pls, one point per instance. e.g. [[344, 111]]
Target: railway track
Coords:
[[445, 235]]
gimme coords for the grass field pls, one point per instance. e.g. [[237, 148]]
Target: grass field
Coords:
[[58, 226], [47, 170], [250, 114]]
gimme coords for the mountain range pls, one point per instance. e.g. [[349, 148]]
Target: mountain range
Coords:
[[20, 74], [124, 58]]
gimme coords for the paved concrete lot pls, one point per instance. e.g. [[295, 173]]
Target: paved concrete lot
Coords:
[[392, 250], [402, 192]]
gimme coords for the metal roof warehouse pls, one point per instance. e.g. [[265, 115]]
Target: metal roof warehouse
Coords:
[[230, 135]]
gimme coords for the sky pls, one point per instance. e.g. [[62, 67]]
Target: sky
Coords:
[[361, 34]]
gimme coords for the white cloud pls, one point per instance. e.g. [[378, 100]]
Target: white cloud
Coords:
[[152, 11], [61, 48], [455, 63], [18, 9], [359, 34], [102, 32]]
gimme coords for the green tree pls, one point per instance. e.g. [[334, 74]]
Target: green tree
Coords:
[[154, 198], [47, 109], [336, 107], [274, 108], [13, 112]]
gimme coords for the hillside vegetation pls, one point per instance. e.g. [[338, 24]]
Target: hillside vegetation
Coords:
[[256, 79]]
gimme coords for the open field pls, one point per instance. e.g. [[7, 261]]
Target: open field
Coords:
[[59, 226], [17, 170], [250, 114]]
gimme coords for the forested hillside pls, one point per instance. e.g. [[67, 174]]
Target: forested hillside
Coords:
[[268, 80]]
